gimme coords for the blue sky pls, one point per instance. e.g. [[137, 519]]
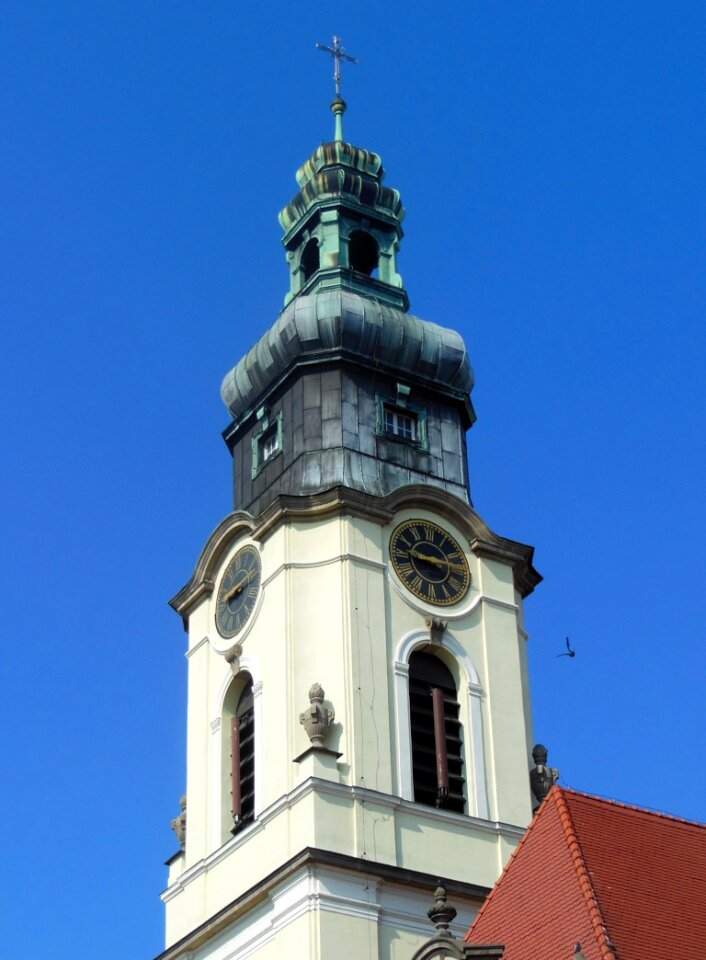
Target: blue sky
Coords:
[[551, 159]]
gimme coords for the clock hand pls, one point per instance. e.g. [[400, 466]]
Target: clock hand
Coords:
[[237, 588], [425, 556], [436, 561]]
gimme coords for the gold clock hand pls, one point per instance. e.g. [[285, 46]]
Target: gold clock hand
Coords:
[[436, 561], [235, 589], [425, 556]]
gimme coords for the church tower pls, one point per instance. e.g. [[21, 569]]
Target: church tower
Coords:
[[358, 709]]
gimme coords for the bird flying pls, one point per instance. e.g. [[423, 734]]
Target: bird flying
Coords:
[[569, 651]]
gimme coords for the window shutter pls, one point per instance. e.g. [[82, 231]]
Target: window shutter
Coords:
[[236, 804], [437, 744], [242, 761]]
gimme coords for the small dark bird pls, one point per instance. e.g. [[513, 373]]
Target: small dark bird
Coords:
[[569, 653]]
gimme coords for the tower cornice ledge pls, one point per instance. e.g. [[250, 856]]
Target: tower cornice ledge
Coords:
[[343, 501], [313, 857]]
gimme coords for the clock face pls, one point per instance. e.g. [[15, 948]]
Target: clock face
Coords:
[[429, 562], [238, 592]]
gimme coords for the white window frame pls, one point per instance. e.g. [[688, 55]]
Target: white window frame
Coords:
[[245, 665], [471, 717], [395, 422], [269, 445], [390, 413], [270, 427]]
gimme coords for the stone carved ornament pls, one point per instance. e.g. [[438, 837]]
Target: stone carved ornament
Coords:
[[542, 777], [317, 719], [437, 629], [178, 824], [443, 945]]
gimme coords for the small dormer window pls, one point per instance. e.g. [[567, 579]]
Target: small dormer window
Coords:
[[267, 441], [399, 423], [269, 444], [399, 419]]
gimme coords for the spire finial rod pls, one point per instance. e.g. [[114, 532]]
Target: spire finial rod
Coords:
[[339, 104], [338, 54]]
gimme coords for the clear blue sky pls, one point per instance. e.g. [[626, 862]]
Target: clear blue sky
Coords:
[[551, 158]]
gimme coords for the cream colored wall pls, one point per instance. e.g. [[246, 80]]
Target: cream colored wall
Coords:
[[331, 611], [324, 912]]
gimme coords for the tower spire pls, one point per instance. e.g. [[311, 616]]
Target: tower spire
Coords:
[[338, 104]]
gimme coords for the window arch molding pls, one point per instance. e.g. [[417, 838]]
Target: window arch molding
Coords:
[[474, 748], [220, 731]]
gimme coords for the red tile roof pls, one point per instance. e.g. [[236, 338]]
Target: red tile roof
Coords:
[[626, 883]]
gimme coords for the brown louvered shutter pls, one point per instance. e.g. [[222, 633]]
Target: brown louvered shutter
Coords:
[[437, 745], [243, 761]]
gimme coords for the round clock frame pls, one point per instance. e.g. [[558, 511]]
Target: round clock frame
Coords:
[[429, 562], [238, 592]]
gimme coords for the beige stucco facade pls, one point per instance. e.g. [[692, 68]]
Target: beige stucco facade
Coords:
[[331, 610]]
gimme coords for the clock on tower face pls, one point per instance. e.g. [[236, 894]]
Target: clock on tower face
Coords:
[[429, 562], [238, 592]]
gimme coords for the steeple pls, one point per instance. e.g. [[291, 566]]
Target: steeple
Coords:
[[346, 387], [352, 563], [343, 227]]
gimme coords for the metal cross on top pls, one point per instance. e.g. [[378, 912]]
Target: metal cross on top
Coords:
[[338, 55]]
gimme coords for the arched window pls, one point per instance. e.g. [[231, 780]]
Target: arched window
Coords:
[[310, 260], [437, 744], [363, 252], [238, 754]]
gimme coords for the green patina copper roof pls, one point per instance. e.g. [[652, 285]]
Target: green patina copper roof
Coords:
[[339, 171], [345, 154], [331, 324]]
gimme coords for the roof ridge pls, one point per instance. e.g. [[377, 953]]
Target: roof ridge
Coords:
[[594, 910], [661, 814]]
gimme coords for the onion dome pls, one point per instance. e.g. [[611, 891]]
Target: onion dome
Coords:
[[343, 227], [331, 324]]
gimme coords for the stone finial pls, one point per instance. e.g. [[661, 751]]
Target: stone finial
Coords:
[[436, 629], [178, 824], [542, 777], [317, 719], [441, 913]]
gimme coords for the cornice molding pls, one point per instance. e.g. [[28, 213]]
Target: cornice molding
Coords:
[[334, 502], [363, 795], [201, 582], [344, 501], [197, 646], [517, 555], [315, 859]]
